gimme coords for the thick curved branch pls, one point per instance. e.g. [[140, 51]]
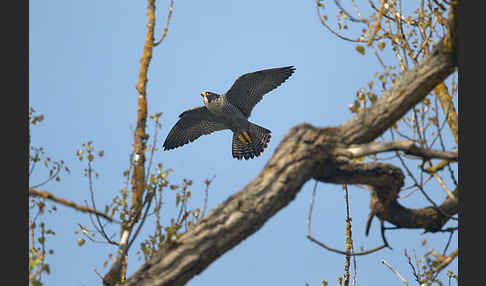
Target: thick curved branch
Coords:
[[304, 153], [385, 181], [308, 152]]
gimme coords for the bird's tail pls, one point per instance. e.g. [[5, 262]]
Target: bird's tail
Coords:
[[250, 143]]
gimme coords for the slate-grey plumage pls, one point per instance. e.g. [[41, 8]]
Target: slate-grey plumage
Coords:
[[231, 111]]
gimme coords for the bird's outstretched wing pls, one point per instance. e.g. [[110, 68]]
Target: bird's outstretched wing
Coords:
[[192, 124], [249, 88]]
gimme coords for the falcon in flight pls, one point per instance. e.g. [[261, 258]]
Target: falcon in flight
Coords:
[[231, 111]]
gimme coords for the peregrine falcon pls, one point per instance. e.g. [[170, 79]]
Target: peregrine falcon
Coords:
[[231, 111]]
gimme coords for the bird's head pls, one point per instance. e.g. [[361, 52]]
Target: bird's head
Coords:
[[209, 96]]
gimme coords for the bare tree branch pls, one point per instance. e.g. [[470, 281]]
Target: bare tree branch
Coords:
[[448, 108], [350, 17], [447, 260], [166, 28], [406, 146], [396, 272], [43, 194], [311, 238], [116, 272], [323, 22]]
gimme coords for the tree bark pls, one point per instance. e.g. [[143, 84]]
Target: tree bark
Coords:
[[306, 153]]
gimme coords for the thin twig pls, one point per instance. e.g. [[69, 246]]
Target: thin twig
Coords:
[[166, 28], [344, 252], [183, 203], [436, 207], [100, 228], [50, 178], [331, 30], [309, 236], [97, 231], [449, 113], [43, 194], [378, 21], [413, 22], [416, 273], [444, 187], [383, 237], [406, 146], [34, 163], [144, 217], [311, 207], [206, 195], [350, 17], [396, 272], [447, 261], [403, 196], [448, 243]]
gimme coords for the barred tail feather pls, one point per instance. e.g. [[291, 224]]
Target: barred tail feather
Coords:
[[250, 143]]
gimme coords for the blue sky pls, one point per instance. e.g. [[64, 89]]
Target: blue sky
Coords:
[[83, 68]]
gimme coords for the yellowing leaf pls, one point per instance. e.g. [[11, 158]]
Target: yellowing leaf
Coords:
[[81, 241], [381, 45]]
